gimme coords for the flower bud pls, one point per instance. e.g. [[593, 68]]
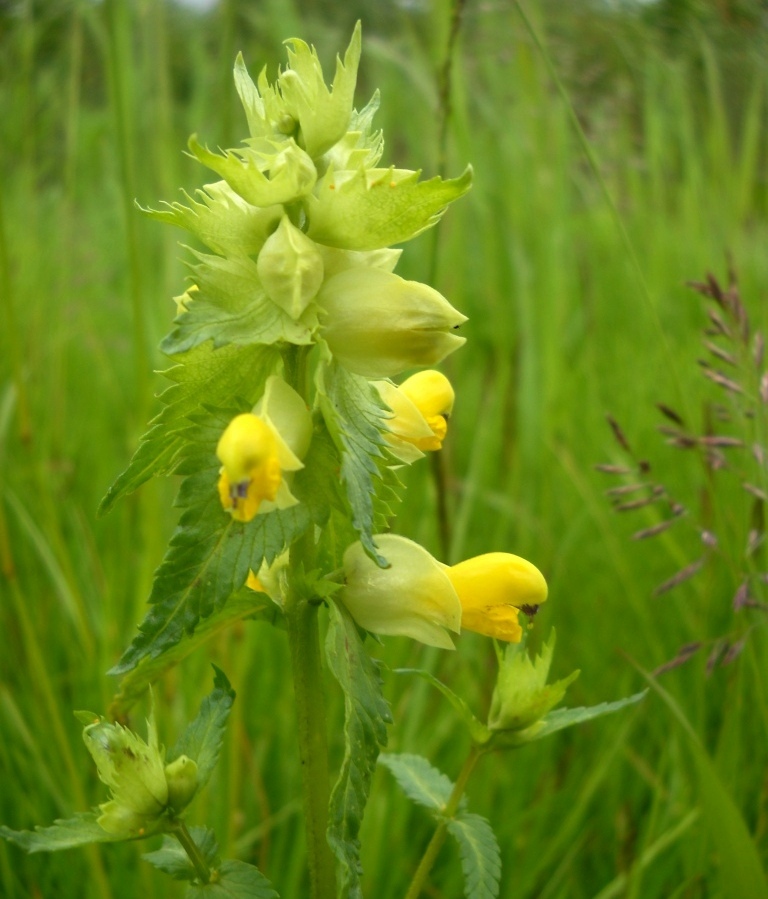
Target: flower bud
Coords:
[[412, 598], [432, 394], [181, 777], [407, 428], [257, 447], [290, 268], [492, 589], [378, 324]]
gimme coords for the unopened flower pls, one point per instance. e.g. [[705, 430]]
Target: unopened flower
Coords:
[[257, 447], [143, 787], [290, 268], [493, 589], [419, 597], [378, 324], [420, 409]]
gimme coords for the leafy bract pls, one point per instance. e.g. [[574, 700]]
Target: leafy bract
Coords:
[[203, 737], [217, 375], [419, 780], [480, 855], [62, 834], [366, 715], [173, 860], [230, 306], [223, 221], [234, 880], [356, 419], [367, 209], [210, 554]]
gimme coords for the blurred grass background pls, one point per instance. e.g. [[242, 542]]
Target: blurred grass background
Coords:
[[569, 321]]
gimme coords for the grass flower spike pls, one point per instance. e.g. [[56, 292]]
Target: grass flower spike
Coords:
[[256, 448]]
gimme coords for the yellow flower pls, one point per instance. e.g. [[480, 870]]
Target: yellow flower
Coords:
[[493, 588], [432, 394], [256, 449]]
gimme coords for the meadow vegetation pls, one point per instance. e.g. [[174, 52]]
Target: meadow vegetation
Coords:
[[618, 154]]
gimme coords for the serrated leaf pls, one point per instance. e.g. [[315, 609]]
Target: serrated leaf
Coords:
[[203, 737], [372, 208], [230, 306], [366, 715], [419, 780], [356, 420], [480, 855], [173, 860], [223, 221], [62, 834], [234, 880], [477, 730], [202, 375], [246, 604], [210, 554], [562, 718]]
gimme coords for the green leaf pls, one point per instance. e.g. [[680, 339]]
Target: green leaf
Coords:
[[62, 834], [477, 730], [230, 306], [203, 375], [210, 554], [480, 855], [203, 737], [172, 859], [562, 718], [420, 781], [223, 221], [245, 604], [234, 880], [366, 715], [356, 419], [741, 870], [372, 208]]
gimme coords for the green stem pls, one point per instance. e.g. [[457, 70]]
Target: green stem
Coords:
[[191, 848], [438, 837], [304, 640]]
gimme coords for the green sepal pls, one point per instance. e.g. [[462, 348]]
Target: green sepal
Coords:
[[231, 307], [478, 731], [323, 115], [419, 780], [291, 172], [233, 880], [356, 420], [66, 833], [559, 720], [366, 715], [368, 209], [203, 737], [171, 858], [480, 855], [201, 375], [210, 554], [223, 221]]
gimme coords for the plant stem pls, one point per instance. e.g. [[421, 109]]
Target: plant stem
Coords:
[[304, 641], [438, 837], [190, 847]]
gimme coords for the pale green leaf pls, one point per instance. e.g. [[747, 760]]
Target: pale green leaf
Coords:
[[62, 834], [203, 375], [368, 209], [203, 737], [234, 880], [477, 730], [223, 221], [419, 780], [230, 306], [173, 860], [366, 715], [480, 855]]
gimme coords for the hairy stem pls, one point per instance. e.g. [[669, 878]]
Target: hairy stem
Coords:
[[190, 847], [438, 837]]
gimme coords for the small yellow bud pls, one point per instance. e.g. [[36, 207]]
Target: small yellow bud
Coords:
[[251, 467], [492, 589], [432, 394]]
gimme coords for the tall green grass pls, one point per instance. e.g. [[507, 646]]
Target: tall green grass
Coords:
[[98, 101]]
